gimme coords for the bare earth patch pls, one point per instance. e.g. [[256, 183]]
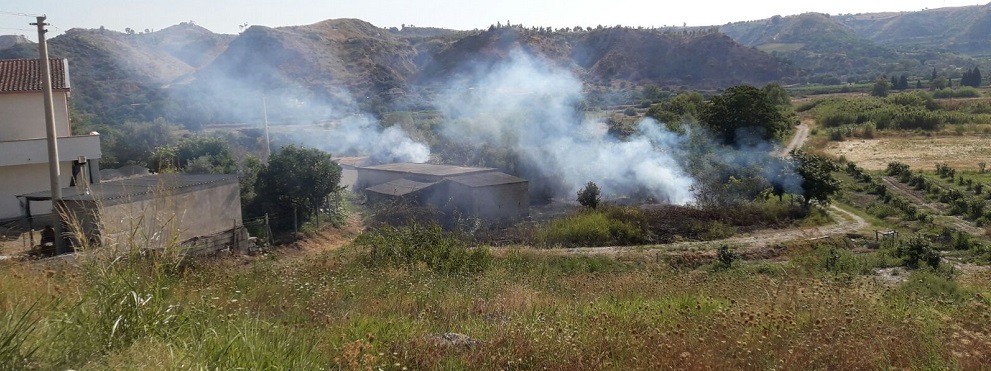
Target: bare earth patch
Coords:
[[960, 152]]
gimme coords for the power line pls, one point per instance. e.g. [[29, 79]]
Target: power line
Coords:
[[20, 14], [15, 29]]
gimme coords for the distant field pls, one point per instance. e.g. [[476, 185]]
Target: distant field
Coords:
[[780, 47], [921, 152]]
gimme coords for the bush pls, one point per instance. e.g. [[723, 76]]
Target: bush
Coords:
[[410, 245], [726, 256], [591, 228], [588, 196], [918, 250]]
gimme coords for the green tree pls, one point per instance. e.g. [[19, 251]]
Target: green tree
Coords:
[[881, 88], [976, 77], [134, 142], [589, 195], [937, 83], [742, 115], [297, 180], [818, 183], [777, 94], [198, 155]]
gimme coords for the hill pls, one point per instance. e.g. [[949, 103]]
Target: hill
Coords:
[[7, 41], [118, 76], [864, 45], [960, 29]]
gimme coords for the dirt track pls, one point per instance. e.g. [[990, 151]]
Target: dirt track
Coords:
[[747, 244], [751, 243]]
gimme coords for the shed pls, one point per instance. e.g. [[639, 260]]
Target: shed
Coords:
[[380, 174], [495, 196], [199, 211]]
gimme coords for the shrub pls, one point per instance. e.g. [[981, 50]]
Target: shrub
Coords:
[[918, 250], [726, 256], [414, 244], [588, 196], [591, 228]]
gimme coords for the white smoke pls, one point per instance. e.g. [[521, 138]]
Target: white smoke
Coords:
[[531, 107], [362, 135]]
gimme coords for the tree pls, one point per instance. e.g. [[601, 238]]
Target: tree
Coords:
[[743, 115], [297, 180], [903, 82], [977, 78], [881, 88], [777, 94], [588, 196], [818, 183], [198, 155]]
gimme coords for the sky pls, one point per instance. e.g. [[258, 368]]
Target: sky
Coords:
[[225, 16]]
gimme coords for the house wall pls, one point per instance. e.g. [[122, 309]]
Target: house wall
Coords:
[[349, 177], [22, 115], [496, 203], [22, 179], [159, 220]]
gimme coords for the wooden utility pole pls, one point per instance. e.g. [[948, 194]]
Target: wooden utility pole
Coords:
[[53, 160], [268, 144]]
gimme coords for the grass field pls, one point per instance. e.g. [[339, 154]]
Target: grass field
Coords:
[[819, 307]]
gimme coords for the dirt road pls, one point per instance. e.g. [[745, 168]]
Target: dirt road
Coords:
[[801, 135], [748, 244]]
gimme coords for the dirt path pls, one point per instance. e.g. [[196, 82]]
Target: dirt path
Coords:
[[752, 244], [801, 135]]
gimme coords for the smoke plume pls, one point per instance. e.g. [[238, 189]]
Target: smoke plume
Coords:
[[531, 107]]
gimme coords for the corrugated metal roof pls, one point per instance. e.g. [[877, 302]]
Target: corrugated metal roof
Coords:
[[428, 169], [24, 75], [134, 189], [399, 187], [486, 179]]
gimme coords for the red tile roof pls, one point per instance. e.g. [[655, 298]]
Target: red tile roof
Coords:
[[24, 75]]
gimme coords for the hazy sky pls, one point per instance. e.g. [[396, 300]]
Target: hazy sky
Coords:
[[224, 16]]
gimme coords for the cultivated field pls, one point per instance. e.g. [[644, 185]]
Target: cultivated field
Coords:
[[923, 152]]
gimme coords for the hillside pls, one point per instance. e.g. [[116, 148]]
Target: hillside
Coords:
[[119, 75], [7, 41], [188, 74], [960, 29], [861, 45]]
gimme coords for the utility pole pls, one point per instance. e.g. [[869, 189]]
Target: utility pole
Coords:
[[268, 145], [53, 159]]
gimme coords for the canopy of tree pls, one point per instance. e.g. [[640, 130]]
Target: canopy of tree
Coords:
[[744, 115]]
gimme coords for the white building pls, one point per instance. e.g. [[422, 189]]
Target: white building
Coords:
[[23, 144]]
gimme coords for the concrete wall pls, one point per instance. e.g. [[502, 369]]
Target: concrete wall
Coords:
[[22, 115], [496, 203], [22, 179], [165, 218], [349, 177]]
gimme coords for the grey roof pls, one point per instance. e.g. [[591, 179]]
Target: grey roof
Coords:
[[429, 169], [486, 179], [399, 187], [138, 188]]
